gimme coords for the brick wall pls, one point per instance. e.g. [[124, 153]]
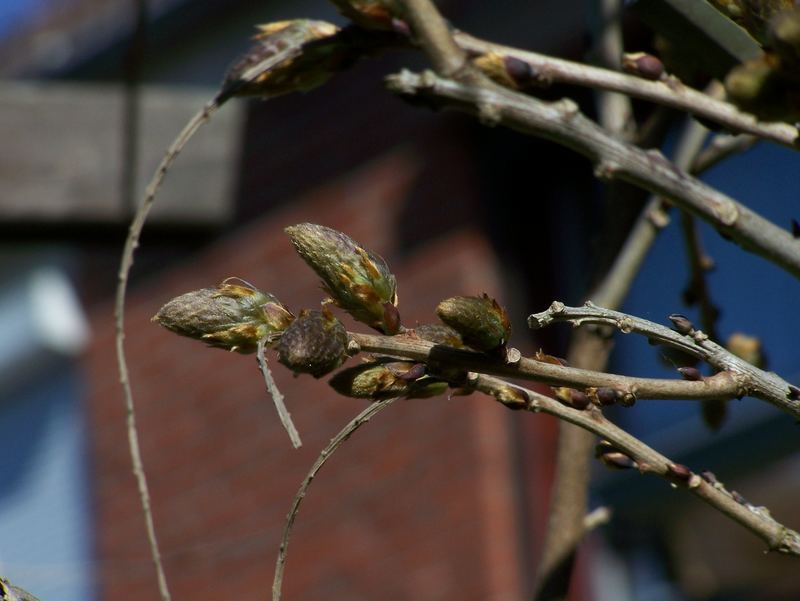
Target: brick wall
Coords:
[[425, 502]]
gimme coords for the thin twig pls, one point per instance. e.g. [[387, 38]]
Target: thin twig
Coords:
[[277, 397], [756, 519], [754, 381], [562, 122], [345, 433], [671, 92]]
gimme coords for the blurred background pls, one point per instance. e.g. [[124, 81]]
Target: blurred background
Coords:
[[436, 499]]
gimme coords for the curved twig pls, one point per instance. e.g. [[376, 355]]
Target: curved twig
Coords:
[[119, 311], [345, 433]]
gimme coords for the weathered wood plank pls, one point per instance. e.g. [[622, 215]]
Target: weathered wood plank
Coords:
[[61, 153]]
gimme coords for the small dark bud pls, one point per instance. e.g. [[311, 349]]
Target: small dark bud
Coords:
[[681, 323], [709, 477], [579, 399], [414, 373], [358, 280], [606, 396], [315, 343], [793, 394], [679, 471], [643, 65], [690, 373], [612, 457], [738, 498], [518, 70], [795, 229], [481, 321], [438, 333], [232, 316]]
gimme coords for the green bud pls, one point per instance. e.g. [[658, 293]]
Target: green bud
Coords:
[[438, 333], [358, 280], [315, 343], [482, 323], [231, 316], [385, 379]]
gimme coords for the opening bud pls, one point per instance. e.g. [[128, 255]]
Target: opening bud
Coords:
[[232, 316], [357, 280]]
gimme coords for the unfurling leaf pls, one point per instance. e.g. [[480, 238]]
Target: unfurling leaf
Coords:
[[231, 316], [315, 343], [385, 379], [481, 321], [357, 280]]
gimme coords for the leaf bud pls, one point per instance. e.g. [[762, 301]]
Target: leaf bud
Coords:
[[231, 316], [612, 457], [481, 321], [315, 343], [357, 280], [607, 396], [643, 65], [438, 333], [682, 323], [690, 373], [385, 379], [297, 55]]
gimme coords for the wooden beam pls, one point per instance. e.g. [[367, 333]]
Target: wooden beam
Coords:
[[61, 154]]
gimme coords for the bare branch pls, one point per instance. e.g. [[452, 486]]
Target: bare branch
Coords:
[[753, 380], [277, 397], [648, 461], [671, 92], [408, 347], [336, 442], [563, 123]]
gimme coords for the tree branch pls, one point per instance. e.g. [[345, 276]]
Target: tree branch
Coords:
[[648, 461], [670, 92], [563, 123], [754, 381], [722, 385]]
